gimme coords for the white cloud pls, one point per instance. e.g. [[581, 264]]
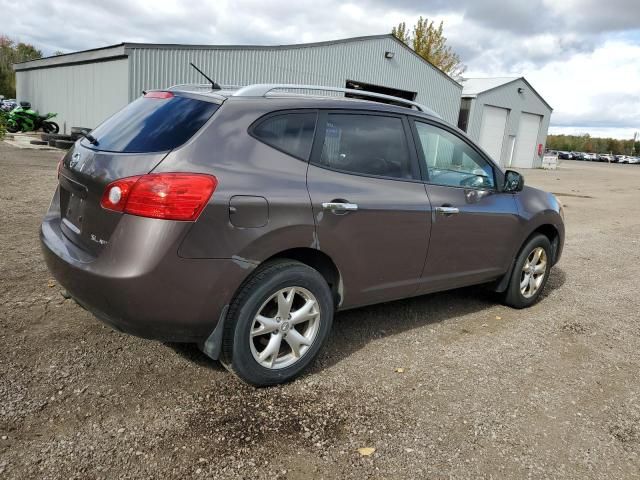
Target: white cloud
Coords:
[[583, 57], [603, 132], [594, 90]]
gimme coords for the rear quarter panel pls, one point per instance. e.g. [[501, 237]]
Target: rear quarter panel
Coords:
[[247, 167]]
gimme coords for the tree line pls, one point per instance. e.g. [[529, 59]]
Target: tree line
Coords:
[[586, 143], [13, 52]]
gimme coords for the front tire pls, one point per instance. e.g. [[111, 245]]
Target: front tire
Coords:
[[277, 323], [530, 273]]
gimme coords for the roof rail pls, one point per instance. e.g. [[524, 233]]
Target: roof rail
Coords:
[[262, 89], [206, 86]]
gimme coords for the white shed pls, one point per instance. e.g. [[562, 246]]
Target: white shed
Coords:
[[507, 117]]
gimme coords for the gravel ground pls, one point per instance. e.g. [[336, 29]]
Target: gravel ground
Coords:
[[485, 391]]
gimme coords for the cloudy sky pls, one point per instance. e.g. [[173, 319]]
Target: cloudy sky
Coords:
[[583, 56]]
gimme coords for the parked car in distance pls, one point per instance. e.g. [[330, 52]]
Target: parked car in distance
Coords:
[[241, 220], [565, 155], [577, 155], [590, 157], [605, 157], [627, 159]]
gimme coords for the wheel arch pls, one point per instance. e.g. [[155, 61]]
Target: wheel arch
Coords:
[[550, 231], [319, 261]]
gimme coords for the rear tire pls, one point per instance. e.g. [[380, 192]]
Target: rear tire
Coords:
[[530, 273], [277, 323], [80, 130], [63, 144], [50, 127], [59, 136]]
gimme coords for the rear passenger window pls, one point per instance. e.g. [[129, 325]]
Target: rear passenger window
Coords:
[[291, 133], [366, 145]]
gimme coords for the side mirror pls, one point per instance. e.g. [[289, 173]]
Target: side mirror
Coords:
[[513, 182]]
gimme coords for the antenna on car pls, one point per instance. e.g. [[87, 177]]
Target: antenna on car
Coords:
[[214, 85]]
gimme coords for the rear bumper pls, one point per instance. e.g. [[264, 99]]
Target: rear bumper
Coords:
[[139, 285]]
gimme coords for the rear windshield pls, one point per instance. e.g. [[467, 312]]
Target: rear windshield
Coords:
[[152, 125]]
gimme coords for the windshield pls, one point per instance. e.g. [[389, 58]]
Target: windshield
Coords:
[[152, 124]]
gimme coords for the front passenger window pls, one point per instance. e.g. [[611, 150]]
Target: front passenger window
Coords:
[[450, 161]]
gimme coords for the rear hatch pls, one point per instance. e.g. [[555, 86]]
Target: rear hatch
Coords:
[[132, 142]]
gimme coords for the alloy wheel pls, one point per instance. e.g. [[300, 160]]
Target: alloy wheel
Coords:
[[285, 327], [533, 272]]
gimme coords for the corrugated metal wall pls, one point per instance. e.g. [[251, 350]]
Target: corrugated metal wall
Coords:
[[327, 64], [507, 96], [82, 95]]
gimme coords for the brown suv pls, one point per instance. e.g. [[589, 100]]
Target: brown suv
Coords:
[[242, 220]]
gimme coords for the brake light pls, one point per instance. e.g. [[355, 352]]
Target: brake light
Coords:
[[156, 94], [169, 196]]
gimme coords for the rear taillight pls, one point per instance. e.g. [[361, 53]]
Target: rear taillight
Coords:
[[117, 193], [170, 196]]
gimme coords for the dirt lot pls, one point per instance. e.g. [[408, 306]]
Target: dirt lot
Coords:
[[552, 391]]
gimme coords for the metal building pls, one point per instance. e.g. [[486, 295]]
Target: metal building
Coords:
[[86, 87], [507, 117]]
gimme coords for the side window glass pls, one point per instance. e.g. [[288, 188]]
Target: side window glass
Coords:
[[450, 161], [367, 145], [291, 132]]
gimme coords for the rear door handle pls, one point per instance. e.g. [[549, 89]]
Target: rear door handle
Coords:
[[447, 210], [340, 207]]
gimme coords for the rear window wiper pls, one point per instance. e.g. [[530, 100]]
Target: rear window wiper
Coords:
[[93, 140]]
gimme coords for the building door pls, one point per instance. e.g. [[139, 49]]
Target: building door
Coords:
[[368, 87], [494, 122], [511, 148], [527, 140]]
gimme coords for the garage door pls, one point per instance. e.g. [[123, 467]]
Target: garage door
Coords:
[[494, 121], [527, 140]]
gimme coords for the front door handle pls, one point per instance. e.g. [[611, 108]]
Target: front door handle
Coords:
[[340, 207], [447, 210]]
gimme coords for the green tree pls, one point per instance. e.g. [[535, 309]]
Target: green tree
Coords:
[[10, 53], [400, 32], [429, 42]]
